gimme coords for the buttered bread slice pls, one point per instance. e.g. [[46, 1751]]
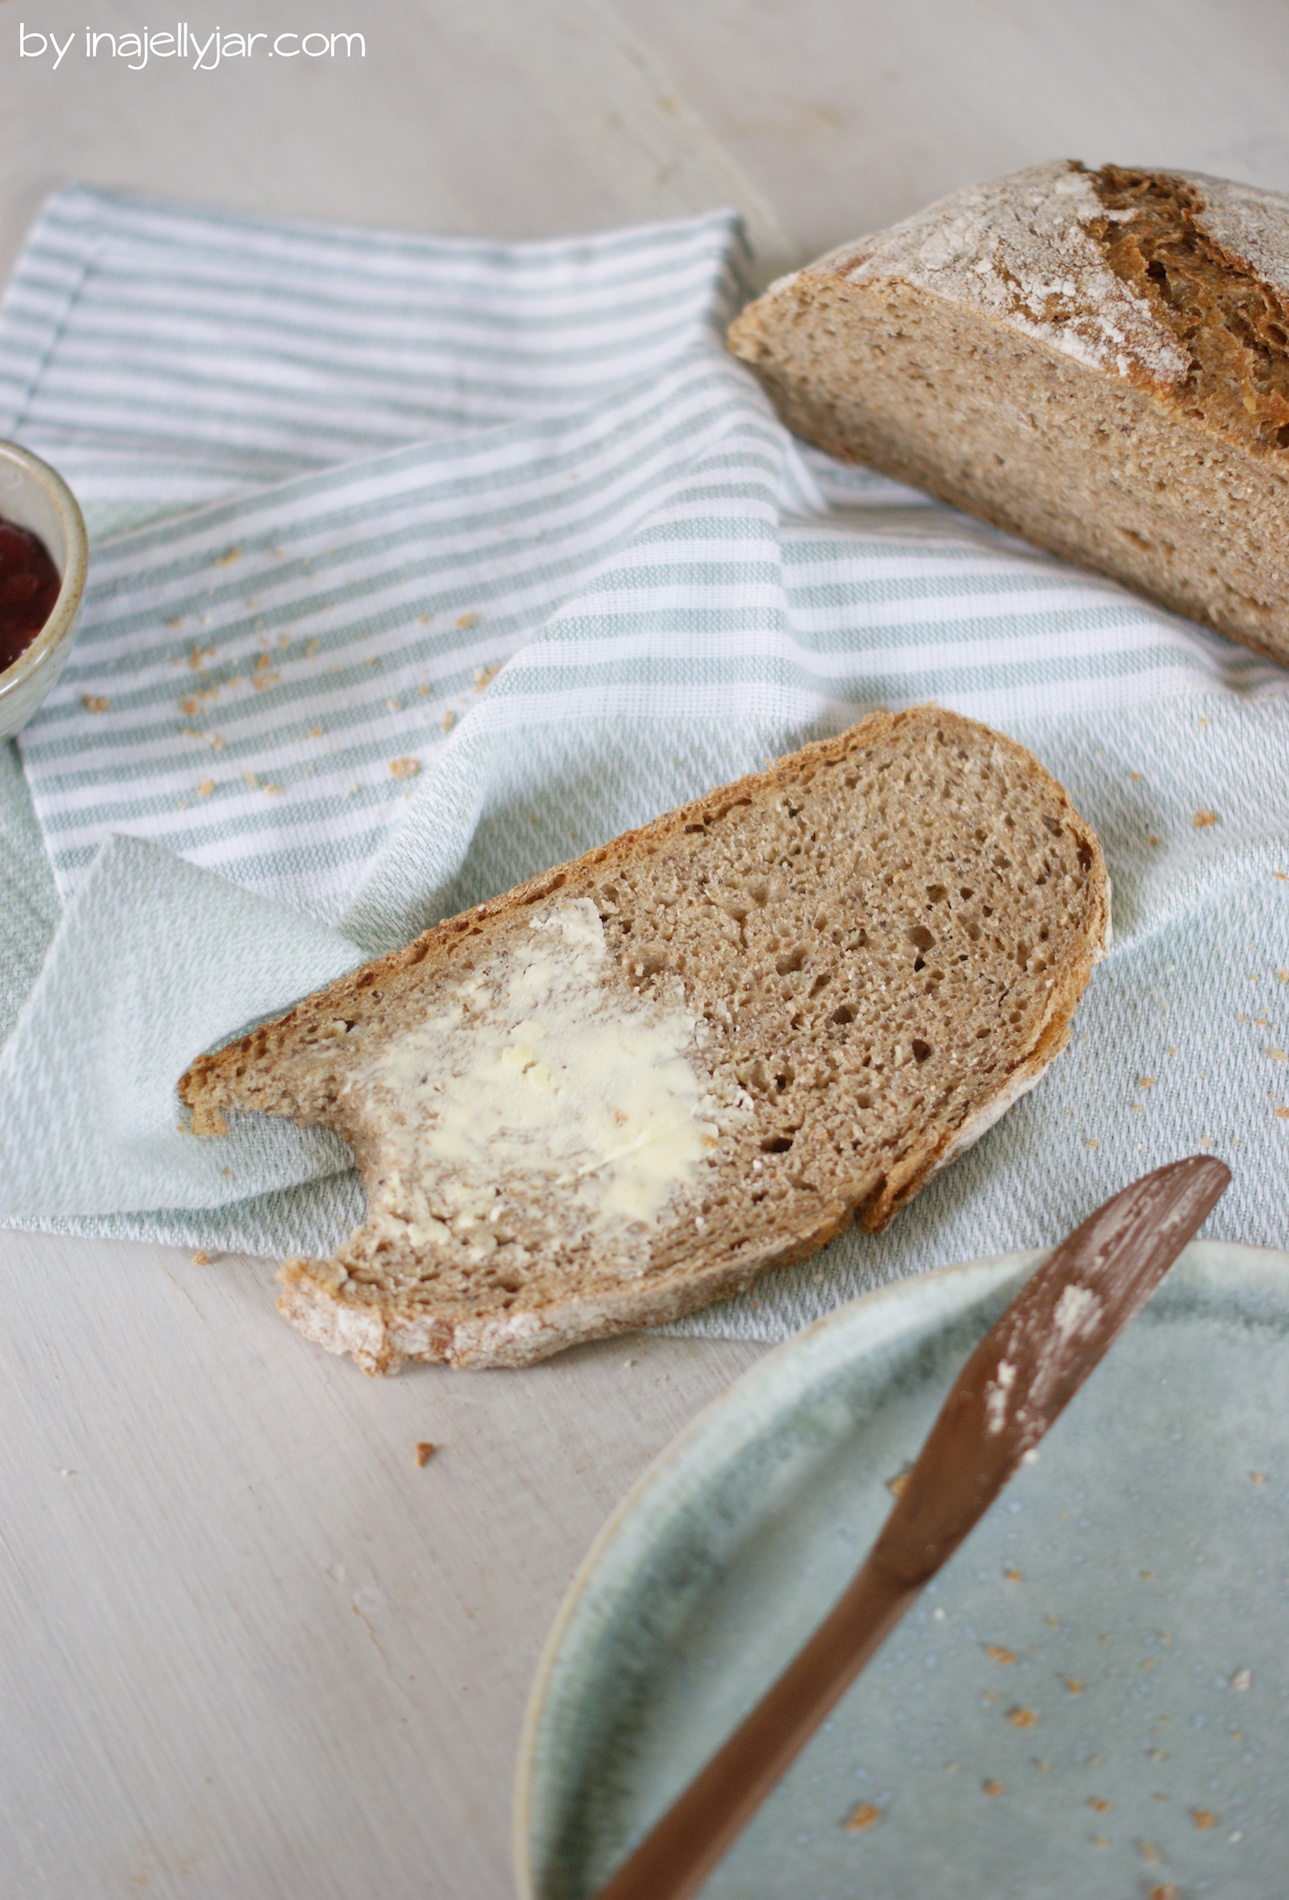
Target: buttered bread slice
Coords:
[[629, 1086]]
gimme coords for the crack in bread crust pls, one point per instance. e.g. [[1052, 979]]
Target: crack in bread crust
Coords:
[[863, 951]]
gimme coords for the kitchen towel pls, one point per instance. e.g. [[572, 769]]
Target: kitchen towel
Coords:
[[419, 566]]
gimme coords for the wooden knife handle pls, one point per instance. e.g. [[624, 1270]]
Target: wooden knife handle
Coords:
[[677, 1855]]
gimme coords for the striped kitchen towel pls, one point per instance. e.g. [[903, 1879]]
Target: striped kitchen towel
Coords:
[[445, 560]]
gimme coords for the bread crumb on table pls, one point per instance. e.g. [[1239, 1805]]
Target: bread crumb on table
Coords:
[[425, 1451], [862, 1816], [1022, 1718], [201, 1258], [1204, 1819], [1203, 818], [95, 702], [992, 1787], [405, 768], [995, 1654], [467, 620]]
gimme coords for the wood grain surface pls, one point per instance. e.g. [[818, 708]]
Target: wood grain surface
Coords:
[[249, 1647]]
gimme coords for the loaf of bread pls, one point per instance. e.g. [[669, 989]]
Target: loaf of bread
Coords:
[[627, 1087], [1098, 361]]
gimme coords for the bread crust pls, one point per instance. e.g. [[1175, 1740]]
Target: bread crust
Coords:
[[992, 351], [282, 1067]]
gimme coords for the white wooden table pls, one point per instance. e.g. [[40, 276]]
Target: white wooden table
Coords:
[[249, 1647]]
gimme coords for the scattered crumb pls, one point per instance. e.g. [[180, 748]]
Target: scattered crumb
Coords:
[[1242, 1679], [1145, 1081], [1156, 1754], [1073, 1684], [992, 1787], [1134, 775], [995, 1654], [1148, 1662], [227, 560], [1149, 1851], [373, 661], [425, 1451], [190, 707], [896, 1484], [1152, 839], [1203, 818], [1278, 1055], [315, 732], [94, 702], [1166, 1891], [1091, 1141], [1101, 1807], [425, 691], [1022, 1718], [467, 620], [424, 619], [1013, 1576], [1100, 1840], [201, 1259], [272, 788], [484, 675], [865, 1815], [1204, 1818], [1283, 1113], [405, 768], [198, 656], [448, 720], [1257, 1477], [394, 705], [262, 681], [251, 779], [175, 624], [206, 787], [1282, 976], [1146, 1576], [1051, 1621]]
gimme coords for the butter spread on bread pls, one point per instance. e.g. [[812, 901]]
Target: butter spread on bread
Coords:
[[628, 1087]]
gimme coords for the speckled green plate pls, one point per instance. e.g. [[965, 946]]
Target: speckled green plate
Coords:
[[1091, 1700]]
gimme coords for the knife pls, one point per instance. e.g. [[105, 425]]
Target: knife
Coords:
[[1014, 1386]]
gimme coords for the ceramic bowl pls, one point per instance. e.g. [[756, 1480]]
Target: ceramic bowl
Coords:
[[1088, 1703], [32, 496]]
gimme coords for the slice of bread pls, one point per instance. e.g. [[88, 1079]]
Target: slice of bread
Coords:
[[629, 1086], [1098, 361]]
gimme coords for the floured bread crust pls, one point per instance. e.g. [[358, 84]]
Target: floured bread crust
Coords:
[[628, 1087], [1098, 361]]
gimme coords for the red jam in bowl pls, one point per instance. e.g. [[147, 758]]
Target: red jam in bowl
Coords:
[[29, 586]]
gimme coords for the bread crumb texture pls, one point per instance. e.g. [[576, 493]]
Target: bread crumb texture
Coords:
[[626, 1088], [1098, 361]]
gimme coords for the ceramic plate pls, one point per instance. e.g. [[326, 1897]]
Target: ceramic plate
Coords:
[[1091, 1700]]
